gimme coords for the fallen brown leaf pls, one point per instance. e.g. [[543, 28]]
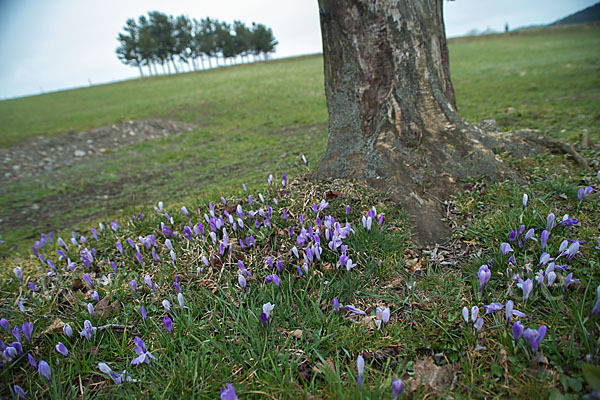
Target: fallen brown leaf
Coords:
[[429, 374]]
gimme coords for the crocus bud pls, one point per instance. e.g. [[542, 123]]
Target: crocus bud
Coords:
[[517, 330]]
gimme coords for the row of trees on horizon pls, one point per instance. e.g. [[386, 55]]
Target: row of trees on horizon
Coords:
[[160, 39]]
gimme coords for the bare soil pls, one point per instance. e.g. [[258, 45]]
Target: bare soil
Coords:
[[45, 154]]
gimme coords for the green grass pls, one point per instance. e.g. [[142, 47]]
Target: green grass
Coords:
[[248, 116], [550, 76], [244, 124]]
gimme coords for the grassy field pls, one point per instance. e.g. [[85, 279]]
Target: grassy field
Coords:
[[246, 118], [253, 115]]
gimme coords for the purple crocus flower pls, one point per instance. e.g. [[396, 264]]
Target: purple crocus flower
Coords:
[[116, 377], [596, 309], [534, 337], [544, 239], [67, 330], [90, 309], [88, 330], [336, 304], [465, 314], [167, 305], [19, 392], [550, 222], [180, 300], [354, 310], [94, 295], [572, 250], [569, 281], [143, 354], [27, 329], [360, 366], [242, 267], [526, 287], [583, 193], [267, 308], [264, 319], [228, 393], [484, 275], [5, 324], [32, 361], [119, 247], [568, 222], [168, 324], [529, 235], [88, 279], [139, 258], [479, 324], [505, 248], [62, 349], [474, 313], [149, 283], [16, 332], [242, 280], [273, 278], [545, 258], [525, 198], [397, 387], [517, 330], [509, 307], [133, 285], [382, 316], [44, 370], [512, 235], [18, 273]]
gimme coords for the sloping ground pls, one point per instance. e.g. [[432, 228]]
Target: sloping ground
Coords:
[[45, 154], [590, 14]]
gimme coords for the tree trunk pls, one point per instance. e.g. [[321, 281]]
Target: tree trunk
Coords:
[[392, 111], [141, 72]]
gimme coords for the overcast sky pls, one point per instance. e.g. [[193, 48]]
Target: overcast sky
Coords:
[[48, 45]]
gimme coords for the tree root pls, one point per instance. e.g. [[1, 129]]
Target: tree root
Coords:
[[556, 146]]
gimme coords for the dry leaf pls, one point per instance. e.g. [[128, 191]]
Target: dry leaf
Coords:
[[429, 374], [55, 327], [105, 308], [369, 322], [415, 264]]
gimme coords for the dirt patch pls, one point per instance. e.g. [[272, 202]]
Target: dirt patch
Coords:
[[45, 154]]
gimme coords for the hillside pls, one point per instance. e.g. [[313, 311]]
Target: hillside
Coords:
[[195, 258], [590, 14]]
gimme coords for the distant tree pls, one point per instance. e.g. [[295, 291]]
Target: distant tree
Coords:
[[161, 39], [129, 51], [183, 39], [262, 40], [205, 38], [243, 38], [161, 29], [226, 41]]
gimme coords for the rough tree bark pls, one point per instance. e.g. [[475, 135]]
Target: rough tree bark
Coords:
[[392, 113]]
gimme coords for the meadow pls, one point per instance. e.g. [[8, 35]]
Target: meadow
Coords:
[[198, 273]]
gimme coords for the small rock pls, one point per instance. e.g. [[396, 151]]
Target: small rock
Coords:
[[131, 133], [79, 153], [511, 110]]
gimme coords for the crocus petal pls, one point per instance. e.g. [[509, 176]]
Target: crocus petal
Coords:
[[228, 393], [44, 370], [62, 349]]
